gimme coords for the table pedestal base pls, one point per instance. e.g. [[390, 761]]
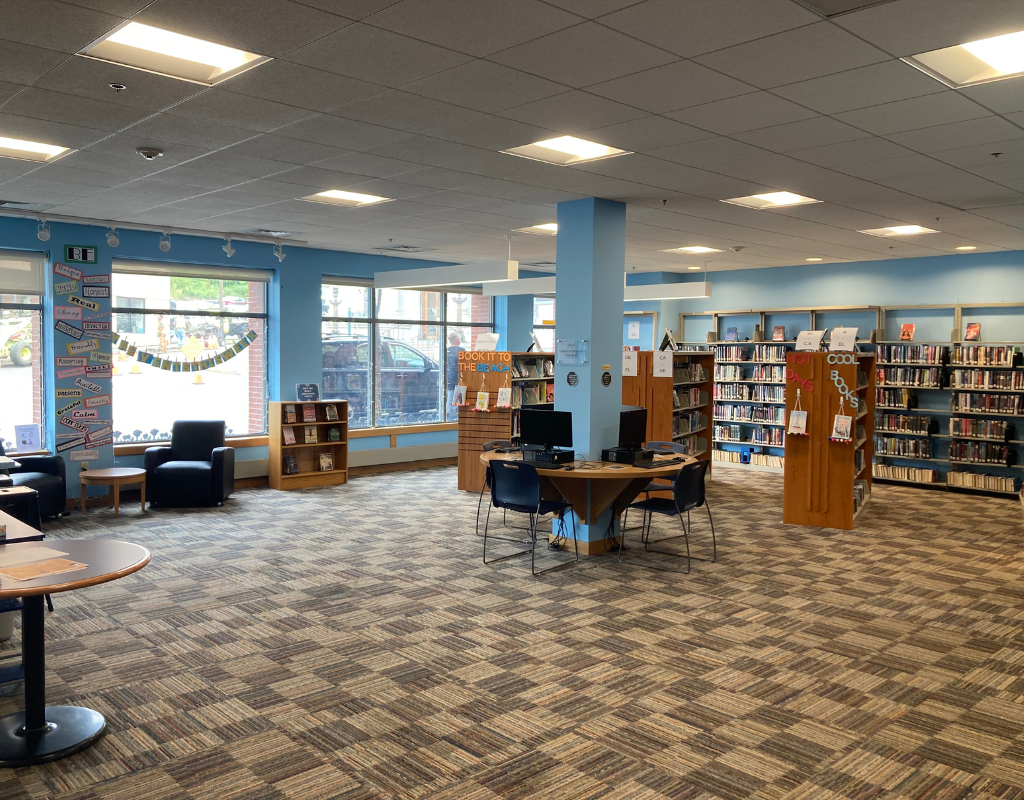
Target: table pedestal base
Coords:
[[69, 729]]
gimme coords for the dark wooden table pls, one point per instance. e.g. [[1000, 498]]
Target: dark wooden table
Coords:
[[43, 733]]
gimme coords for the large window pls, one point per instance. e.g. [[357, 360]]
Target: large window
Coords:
[[393, 354], [21, 344], [544, 322], [180, 313]]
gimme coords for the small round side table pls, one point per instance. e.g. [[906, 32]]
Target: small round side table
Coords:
[[115, 478]]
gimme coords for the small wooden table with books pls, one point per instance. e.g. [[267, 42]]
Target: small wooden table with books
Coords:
[[308, 444]]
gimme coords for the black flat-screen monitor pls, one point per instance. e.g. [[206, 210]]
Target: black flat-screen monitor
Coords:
[[547, 429], [632, 427]]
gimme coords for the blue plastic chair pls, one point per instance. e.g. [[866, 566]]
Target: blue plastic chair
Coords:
[[494, 444], [515, 486], [687, 494]]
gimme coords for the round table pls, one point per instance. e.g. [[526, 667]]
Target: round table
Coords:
[[114, 478], [592, 487], [43, 733]]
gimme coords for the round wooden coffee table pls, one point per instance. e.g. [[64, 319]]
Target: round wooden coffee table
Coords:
[[43, 733], [114, 478]]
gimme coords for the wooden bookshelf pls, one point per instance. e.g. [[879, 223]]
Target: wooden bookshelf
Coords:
[[307, 455], [818, 487]]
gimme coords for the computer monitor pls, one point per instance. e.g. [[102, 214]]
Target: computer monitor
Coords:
[[547, 429], [632, 427]]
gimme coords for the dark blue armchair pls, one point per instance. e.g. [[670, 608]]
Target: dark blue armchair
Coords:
[[196, 470], [47, 475]]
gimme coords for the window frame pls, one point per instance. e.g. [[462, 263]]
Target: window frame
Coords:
[[40, 262], [373, 324]]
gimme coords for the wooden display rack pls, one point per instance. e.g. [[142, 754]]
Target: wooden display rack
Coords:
[[820, 473], [308, 455]]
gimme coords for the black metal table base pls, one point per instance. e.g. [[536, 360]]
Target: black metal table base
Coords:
[[41, 733], [68, 730]]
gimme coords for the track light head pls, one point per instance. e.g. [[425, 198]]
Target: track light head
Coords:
[[279, 251], [43, 232], [227, 248], [165, 242], [112, 238]]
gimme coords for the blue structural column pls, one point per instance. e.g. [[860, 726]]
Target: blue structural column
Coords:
[[591, 263], [513, 321]]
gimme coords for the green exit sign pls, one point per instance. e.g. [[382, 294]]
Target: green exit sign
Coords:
[[79, 255]]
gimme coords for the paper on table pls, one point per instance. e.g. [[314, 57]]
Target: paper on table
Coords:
[[41, 569], [12, 556]]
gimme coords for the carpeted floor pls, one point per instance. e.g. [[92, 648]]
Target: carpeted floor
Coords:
[[348, 643]]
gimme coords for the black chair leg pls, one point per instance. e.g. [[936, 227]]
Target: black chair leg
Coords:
[[487, 520], [49, 604], [645, 538], [714, 544], [479, 504], [576, 547]]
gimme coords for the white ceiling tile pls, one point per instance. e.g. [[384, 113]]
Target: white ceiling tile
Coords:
[[343, 133], [573, 112], [908, 27], [591, 9], [249, 113], [439, 178], [72, 110], [8, 90], [279, 148], [955, 187], [708, 151], [37, 130], [670, 87], [353, 9], [298, 85], [919, 112], [797, 55], [406, 112], [25, 64], [982, 155], [183, 130], [424, 150], [958, 134], [886, 82], [646, 134], [1002, 97], [88, 78], [53, 25], [692, 27], [890, 167], [801, 135], [660, 174], [853, 152], [484, 86], [375, 55], [1010, 215], [477, 27], [267, 27], [744, 113], [583, 55]]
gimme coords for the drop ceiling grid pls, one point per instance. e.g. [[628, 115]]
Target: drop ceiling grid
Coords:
[[209, 137]]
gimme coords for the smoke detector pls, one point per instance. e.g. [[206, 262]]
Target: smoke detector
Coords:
[[149, 153]]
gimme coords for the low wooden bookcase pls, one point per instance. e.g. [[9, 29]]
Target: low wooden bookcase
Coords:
[[307, 456]]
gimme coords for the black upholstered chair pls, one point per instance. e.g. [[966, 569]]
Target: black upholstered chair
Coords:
[[47, 475], [196, 470]]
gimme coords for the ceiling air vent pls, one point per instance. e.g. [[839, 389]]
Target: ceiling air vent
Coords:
[[404, 248], [268, 232], [22, 206], [832, 8]]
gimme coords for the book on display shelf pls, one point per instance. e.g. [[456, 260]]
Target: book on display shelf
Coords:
[[326, 462], [334, 434], [331, 412], [907, 330], [309, 413], [288, 434], [973, 332], [291, 465], [730, 334], [289, 413], [311, 434], [779, 333]]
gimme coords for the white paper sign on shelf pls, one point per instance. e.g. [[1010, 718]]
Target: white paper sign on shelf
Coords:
[[662, 364], [809, 340], [842, 340], [629, 363], [634, 330], [487, 341]]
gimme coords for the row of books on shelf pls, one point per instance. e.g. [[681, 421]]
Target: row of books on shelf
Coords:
[[968, 480], [1010, 404], [768, 373], [858, 461], [310, 434], [291, 413], [861, 493], [729, 372], [688, 398], [1008, 380], [763, 437], [685, 424], [912, 354], [689, 373], [894, 398], [981, 453], [692, 446], [533, 367], [324, 464], [909, 474], [759, 352], [928, 377], [985, 356], [756, 459], [532, 394], [903, 446], [740, 413], [904, 423], [980, 428]]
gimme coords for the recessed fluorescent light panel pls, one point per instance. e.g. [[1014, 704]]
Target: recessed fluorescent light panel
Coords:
[[29, 151], [975, 62], [547, 229], [695, 249], [898, 230], [566, 151], [967, 247], [337, 197], [695, 267], [173, 54], [814, 259], [772, 200]]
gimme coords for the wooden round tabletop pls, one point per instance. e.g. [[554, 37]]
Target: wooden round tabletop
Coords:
[[599, 469], [112, 475], [107, 560]]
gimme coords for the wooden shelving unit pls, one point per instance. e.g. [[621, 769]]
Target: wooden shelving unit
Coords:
[[307, 456], [820, 474]]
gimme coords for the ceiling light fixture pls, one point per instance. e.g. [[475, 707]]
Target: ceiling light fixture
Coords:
[[113, 240], [339, 197], [29, 151], [566, 151], [771, 200], [898, 230], [522, 286], [692, 290], [967, 247], [165, 242], [458, 275], [547, 229], [175, 55], [814, 259], [43, 231], [982, 61], [228, 249], [695, 267], [692, 250], [279, 252]]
